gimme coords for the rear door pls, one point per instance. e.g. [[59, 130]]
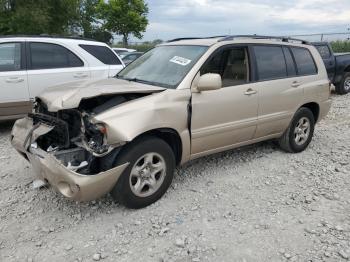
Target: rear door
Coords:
[[51, 64], [328, 59], [279, 87], [14, 96], [108, 64]]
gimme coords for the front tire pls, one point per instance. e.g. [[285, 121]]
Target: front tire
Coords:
[[148, 175], [344, 86], [299, 133]]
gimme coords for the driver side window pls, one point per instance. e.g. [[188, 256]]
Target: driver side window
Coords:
[[231, 64]]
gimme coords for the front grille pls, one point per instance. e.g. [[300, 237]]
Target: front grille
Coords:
[[58, 137]]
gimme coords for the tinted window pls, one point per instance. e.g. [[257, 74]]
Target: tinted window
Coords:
[[324, 51], [291, 70], [231, 64], [48, 56], [10, 57], [102, 53], [270, 62], [304, 61]]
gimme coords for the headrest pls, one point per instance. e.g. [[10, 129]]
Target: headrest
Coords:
[[239, 70], [236, 55]]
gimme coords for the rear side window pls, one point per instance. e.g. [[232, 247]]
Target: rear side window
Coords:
[[305, 62], [324, 51], [270, 62], [102, 53], [50, 56], [291, 70], [10, 57]]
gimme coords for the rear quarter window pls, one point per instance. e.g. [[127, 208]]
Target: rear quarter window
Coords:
[[102, 53], [304, 61]]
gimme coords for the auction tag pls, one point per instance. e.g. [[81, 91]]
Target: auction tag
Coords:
[[180, 60]]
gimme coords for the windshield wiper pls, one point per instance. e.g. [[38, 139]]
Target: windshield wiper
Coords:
[[138, 80]]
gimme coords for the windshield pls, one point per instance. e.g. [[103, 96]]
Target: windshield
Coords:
[[163, 66]]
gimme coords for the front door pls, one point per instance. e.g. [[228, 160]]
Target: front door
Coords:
[[228, 116], [14, 96]]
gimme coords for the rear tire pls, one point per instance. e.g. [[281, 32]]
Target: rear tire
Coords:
[[344, 86], [299, 134], [148, 175]]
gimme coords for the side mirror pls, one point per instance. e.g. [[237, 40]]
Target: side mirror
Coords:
[[209, 82]]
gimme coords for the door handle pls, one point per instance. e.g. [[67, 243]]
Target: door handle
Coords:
[[80, 75], [295, 84], [250, 92], [14, 80]]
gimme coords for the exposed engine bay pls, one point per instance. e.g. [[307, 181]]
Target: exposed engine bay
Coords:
[[75, 140]]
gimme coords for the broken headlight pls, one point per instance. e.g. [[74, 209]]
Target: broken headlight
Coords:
[[95, 136]]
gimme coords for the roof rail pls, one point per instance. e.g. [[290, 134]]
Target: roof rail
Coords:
[[193, 38], [183, 38], [281, 38], [50, 36]]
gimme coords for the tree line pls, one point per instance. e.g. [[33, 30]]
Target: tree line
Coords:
[[96, 19]]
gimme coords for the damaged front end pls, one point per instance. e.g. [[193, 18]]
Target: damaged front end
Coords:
[[69, 149]]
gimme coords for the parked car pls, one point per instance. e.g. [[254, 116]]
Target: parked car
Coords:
[[130, 57], [121, 51], [338, 67], [29, 65], [179, 101]]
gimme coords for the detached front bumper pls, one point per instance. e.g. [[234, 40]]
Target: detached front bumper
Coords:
[[49, 167]]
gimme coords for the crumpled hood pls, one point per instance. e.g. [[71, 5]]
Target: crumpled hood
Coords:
[[68, 96]]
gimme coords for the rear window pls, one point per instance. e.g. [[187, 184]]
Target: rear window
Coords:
[[324, 51], [102, 53], [270, 62], [305, 62], [50, 56]]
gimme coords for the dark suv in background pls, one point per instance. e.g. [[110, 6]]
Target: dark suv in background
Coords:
[[337, 65]]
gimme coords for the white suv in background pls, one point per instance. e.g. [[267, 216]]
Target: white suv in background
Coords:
[[29, 65]]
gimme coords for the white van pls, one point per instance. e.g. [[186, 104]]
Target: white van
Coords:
[[29, 65]]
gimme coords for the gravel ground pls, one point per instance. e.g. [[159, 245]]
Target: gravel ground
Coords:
[[252, 204]]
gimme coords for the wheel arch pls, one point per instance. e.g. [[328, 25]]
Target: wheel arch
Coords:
[[347, 69], [314, 108], [170, 136]]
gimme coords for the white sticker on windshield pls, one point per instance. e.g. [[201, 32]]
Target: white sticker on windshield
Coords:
[[180, 60]]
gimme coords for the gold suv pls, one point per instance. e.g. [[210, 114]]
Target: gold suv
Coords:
[[182, 100]]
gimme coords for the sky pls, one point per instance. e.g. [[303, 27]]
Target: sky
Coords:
[[183, 18]]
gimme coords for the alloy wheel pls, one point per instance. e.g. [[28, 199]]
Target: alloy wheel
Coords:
[[147, 174], [302, 131]]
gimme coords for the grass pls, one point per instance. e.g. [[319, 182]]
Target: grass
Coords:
[[341, 46]]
